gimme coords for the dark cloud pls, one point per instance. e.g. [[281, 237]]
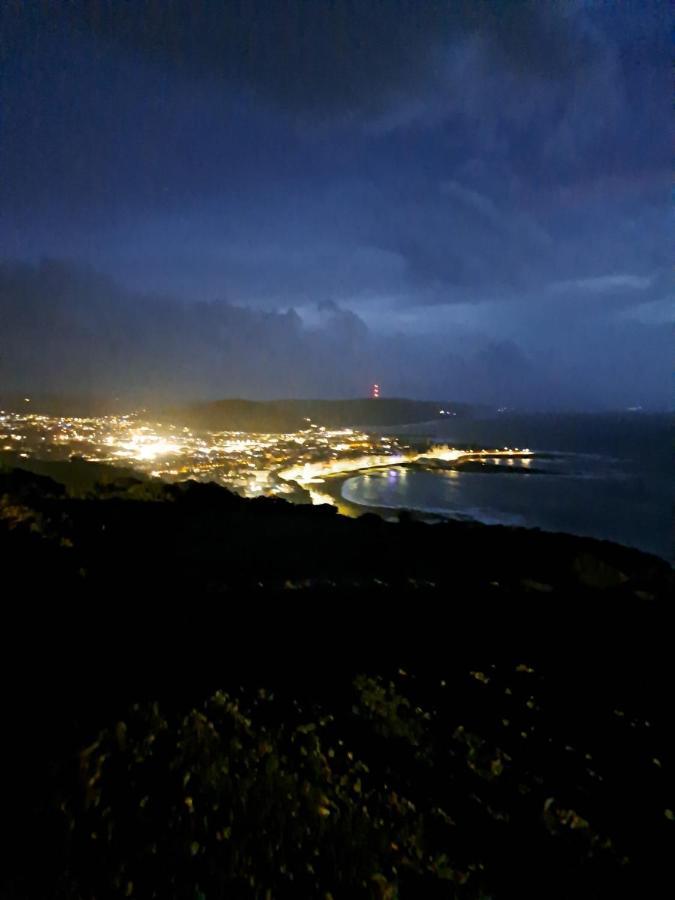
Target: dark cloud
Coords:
[[330, 57], [468, 177], [69, 329]]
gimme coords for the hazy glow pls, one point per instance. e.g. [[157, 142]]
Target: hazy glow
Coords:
[[146, 447]]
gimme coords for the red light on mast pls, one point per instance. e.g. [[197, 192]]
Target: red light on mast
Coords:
[[375, 391]]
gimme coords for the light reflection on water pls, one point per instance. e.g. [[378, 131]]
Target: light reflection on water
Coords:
[[579, 493]]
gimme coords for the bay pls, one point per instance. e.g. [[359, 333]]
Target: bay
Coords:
[[608, 477]]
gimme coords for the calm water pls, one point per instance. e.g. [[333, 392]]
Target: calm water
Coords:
[[608, 477]]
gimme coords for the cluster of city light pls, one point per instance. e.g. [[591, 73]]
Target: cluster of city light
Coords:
[[251, 464], [144, 446], [450, 454], [309, 473]]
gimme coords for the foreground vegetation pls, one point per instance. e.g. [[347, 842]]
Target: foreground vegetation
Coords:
[[211, 697], [477, 784]]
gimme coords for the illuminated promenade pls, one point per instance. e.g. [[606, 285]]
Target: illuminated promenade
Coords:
[[312, 473]]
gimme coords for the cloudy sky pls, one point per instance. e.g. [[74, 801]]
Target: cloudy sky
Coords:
[[462, 200]]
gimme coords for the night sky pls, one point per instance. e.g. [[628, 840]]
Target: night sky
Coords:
[[461, 200]]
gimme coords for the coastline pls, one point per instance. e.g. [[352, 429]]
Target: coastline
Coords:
[[331, 490], [332, 487]]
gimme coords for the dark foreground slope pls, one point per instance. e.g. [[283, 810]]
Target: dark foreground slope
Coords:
[[134, 534], [211, 697]]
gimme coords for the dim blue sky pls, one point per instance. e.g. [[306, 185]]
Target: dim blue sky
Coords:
[[462, 200]]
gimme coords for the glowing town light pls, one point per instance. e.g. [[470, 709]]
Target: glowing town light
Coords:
[[375, 391], [447, 454], [145, 447]]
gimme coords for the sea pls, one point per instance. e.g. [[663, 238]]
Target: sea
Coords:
[[607, 476]]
